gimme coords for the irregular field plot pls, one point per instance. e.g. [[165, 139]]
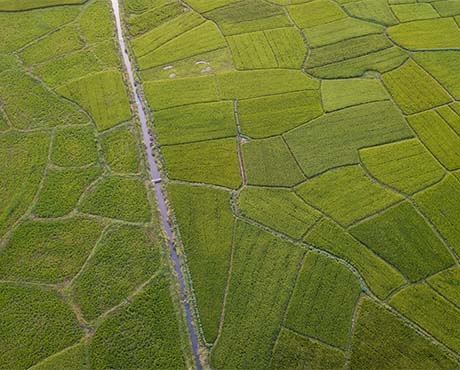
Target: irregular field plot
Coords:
[[334, 139], [48, 251], [269, 162], [405, 239], [264, 269], [382, 341], [273, 115], [206, 230], [405, 165], [315, 13], [293, 351], [26, 340], [210, 162], [447, 283], [346, 194], [381, 277], [323, 301], [72, 358], [15, 5], [413, 12], [280, 209], [372, 10], [413, 89]]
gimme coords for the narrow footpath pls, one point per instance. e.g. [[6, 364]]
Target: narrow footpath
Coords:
[[156, 179]]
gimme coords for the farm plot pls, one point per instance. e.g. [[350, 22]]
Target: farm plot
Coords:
[[371, 10], [414, 12], [446, 283], [71, 358]]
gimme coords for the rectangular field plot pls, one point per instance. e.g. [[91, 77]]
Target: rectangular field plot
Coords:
[[323, 300], [280, 47], [438, 137], [293, 351], [346, 194], [338, 94], [381, 277], [269, 162], [413, 12], [339, 30], [195, 122], [210, 162], [276, 114], [263, 272], [248, 16], [279, 209], [406, 165], [206, 229], [405, 239], [441, 204], [334, 139], [413, 89], [382, 341], [172, 93], [251, 84], [447, 8], [315, 13], [201, 39], [103, 96], [440, 33], [431, 311]]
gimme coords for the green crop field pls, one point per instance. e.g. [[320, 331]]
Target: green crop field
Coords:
[[230, 184]]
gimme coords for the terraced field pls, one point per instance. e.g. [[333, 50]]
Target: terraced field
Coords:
[[309, 152]]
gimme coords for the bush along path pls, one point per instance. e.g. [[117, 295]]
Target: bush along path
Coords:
[[156, 179]]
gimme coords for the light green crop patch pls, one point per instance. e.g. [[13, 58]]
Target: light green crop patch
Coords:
[[24, 157], [427, 34], [165, 32], [269, 162], [414, 12], [346, 194], [279, 209], [431, 311], [171, 93], [195, 122], [62, 188], [48, 251], [444, 66], [58, 43], [206, 228], [72, 358], [372, 10], [133, 336], [447, 8], [447, 283], [251, 84], [74, 146], [294, 351], [210, 162], [383, 341], [438, 137], [121, 150], [201, 39], [276, 114], [98, 31], [338, 94], [381, 277], [440, 204], [404, 238], [335, 138], [406, 165], [103, 96], [17, 5], [28, 339], [248, 16], [340, 30], [263, 272], [450, 116], [280, 47], [413, 89], [121, 198], [323, 300], [124, 258], [315, 13], [207, 5], [38, 108]]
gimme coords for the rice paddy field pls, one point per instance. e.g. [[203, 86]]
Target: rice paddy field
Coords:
[[309, 155]]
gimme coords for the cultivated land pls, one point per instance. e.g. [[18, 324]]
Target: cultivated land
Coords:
[[310, 154]]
